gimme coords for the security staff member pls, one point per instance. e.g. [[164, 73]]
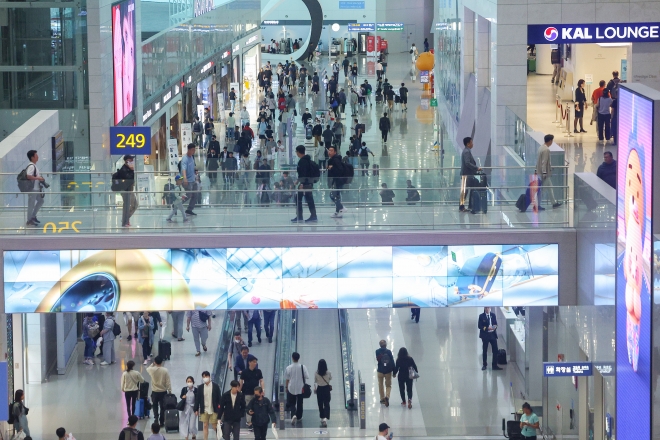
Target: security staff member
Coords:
[[488, 334]]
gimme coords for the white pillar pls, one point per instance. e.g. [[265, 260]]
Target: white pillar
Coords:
[[543, 64]]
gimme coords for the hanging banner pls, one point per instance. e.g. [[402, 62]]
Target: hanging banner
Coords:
[[186, 135], [173, 155], [221, 108], [371, 45]]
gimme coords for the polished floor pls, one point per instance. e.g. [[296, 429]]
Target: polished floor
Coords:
[[453, 398]]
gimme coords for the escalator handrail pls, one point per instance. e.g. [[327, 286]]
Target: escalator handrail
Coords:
[[347, 359], [286, 332], [221, 363]]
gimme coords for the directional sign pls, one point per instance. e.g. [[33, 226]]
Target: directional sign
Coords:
[[558, 369], [130, 140]]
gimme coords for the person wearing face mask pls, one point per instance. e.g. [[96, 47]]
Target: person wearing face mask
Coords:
[[129, 201], [146, 335], [188, 419], [235, 349], [262, 412], [20, 413], [207, 403]]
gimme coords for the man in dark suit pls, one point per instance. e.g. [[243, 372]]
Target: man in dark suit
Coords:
[[209, 412], [232, 410], [488, 334]]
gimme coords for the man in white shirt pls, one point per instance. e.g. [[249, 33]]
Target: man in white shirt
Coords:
[[35, 198], [296, 376], [384, 432]]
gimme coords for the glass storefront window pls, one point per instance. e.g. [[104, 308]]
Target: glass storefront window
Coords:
[[43, 90], [449, 66]]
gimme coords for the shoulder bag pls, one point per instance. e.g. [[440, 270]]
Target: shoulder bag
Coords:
[[306, 389]]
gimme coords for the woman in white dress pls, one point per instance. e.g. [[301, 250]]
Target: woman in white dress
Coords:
[[188, 419]]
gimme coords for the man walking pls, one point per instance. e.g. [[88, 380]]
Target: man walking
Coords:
[[232, 410], [336, 180], [384, 126], [305, 186], [468, 169], [161, 386], [254, 321], [201, 325], [296, 376], [129, 201], [35, 197], [403, 95], [108, 339], [385, 361], [262, 412], [544, 172], [346, 64], [189, 178], [207, 402], [131, 432], [607, 170], [488, 335], [269, 321], [251, 378]]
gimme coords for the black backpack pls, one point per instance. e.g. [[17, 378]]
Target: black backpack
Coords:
[[386, 363], [349, 173], [25, 185], [11, 419], [314, 171], [203, 316], [116, 330], [364, 152], [119, 183]]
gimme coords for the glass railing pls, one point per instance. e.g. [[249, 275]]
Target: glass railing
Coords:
[[82, 202], [287, 343], [221, 364]]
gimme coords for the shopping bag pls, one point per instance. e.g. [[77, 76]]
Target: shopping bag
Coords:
[[273, 429], [19, 436]]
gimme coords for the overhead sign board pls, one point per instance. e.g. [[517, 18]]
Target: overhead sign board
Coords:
[[361, 27], [386, 27], [351, 5], [593, 33], [559, 369], [130, 140]]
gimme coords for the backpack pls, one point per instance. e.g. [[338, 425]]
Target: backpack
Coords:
[[349, 173], [614, 91], [130, 434], [197, 128], [411, 51], [169, 196], [315, 171], [119, 183], [203, 316], [386, 363], [11, 418], [25, 185], [144, 332], [116, 330], [364, 152]]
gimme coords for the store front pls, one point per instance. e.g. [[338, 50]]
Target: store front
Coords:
[[160, 115], [251, 64]]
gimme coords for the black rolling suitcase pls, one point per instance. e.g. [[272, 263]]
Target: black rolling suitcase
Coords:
[[171, 420], [169, 401], [501, 357], [165, 349], [525, 200], [144, 390], [479, 201]]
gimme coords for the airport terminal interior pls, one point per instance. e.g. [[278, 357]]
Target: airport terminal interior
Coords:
[[329, 219]]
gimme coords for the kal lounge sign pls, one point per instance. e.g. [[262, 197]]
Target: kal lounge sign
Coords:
[[593, 33]]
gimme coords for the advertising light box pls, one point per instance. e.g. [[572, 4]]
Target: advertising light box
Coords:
[[124, 59], [280, 278], [593, 33]]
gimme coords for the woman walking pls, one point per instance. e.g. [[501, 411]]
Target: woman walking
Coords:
[[130, 386], [404, 362], [20, 413], [146, 335], [322, 388], [188, 419]]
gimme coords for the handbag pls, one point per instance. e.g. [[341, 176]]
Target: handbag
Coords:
[[306, 389], [412, 373], [181, 405]]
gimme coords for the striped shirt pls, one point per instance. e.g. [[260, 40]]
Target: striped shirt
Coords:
[[194, 319]]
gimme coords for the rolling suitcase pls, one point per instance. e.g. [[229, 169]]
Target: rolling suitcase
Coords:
[[479, 201], [139, 408], [170, 401], [171, 420], [376, 170], [501, 356], [144, 390], [165, 349]]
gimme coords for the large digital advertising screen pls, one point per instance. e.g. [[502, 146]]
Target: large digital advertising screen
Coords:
[[633, 271], [280, 278], [124, 59]]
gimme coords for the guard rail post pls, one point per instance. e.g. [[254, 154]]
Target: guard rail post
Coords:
[[363, 409], [282, 407]]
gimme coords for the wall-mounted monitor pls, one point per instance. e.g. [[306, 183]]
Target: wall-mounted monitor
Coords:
[[124, 59]]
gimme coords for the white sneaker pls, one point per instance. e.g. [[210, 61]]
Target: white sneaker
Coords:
[[104, 363], [146, 362], [336, 215], [293, 420]]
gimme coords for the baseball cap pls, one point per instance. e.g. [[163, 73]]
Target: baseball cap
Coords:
[[177, 177], [382, 427], [129, 157]]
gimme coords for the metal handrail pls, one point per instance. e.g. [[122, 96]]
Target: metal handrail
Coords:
[[347, 360], [221, 363]]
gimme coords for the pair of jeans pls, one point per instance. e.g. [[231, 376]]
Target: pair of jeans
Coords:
[[129, 206], [158, 399], [269, 322], [335, 195], [254, 323], [484, 353], [89, 348], [604, 125], [323, 399], [146, 348], [35, 201], [192, 192], [131, 398], [306, 192], [405, 383], [295, 404]]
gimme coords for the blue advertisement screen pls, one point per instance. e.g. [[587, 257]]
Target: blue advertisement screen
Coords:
[[280, 278], [633, 271]]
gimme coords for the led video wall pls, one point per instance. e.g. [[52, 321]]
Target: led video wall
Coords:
[[633, 265], [280, 278], [124, 59]]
